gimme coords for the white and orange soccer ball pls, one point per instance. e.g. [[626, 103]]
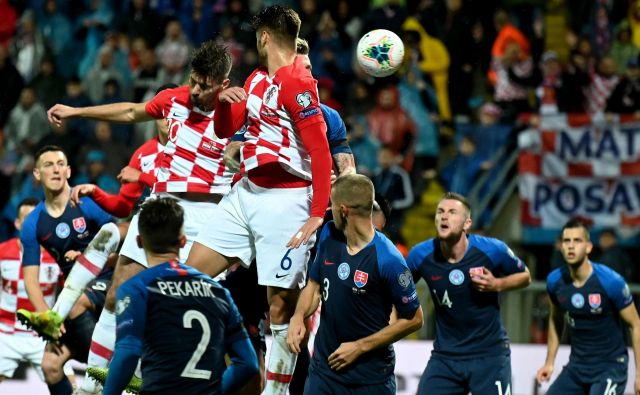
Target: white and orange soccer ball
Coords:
[[380, 52]]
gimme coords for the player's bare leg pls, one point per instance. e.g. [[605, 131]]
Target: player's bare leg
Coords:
[[53, 360], [103, 340], [209, 261]]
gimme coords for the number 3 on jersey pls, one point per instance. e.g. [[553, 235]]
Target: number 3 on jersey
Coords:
[[445, 301]]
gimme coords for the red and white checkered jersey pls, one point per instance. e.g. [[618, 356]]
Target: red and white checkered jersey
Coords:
[[13, 295], [192, 159], [277, 107]]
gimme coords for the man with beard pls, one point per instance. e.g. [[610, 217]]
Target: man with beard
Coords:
[[465, 273], [359, 275], [594, 299]]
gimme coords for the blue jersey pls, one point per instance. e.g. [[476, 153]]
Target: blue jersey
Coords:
[[357, 294], [336, 131], [595, 327], [467, 321], [73, 230], [180, 321]]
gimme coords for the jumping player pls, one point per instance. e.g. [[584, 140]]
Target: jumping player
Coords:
[[285, 157]]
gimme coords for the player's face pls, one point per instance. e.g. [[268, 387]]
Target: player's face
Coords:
[[52, 170], [204, 91], [452, 219], [575, 246]]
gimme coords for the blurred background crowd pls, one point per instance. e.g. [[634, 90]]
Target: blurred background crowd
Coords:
[[444, 122]]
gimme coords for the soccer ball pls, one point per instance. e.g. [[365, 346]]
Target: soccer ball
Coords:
[[380, 52]]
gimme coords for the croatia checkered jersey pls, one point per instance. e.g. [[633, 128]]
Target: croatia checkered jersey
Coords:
[[285, 126], [13, 295], [192, 159], [146, 159]]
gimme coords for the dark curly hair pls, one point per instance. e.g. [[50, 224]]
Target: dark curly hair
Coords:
[[212, 60], [282, 22]]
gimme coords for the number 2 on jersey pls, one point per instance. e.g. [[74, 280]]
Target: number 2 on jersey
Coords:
[[190, 370], [445, 301]]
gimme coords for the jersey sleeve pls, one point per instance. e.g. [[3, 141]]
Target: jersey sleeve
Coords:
[[616, 288], [29, 240], [314, 272], [235, 329], [131, 313], [414, 260], [505, 261], [94, 212], [300, 99], [336, 131], [552, 282], [394, 270], [156, 107], [119, 205]]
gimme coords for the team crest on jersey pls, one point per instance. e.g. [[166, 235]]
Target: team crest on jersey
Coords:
[[343, 271], [456, 277], [63, 230], [79, 224], [122, 305], [360, 278], [594, 300], [271, 97], [577, 300]]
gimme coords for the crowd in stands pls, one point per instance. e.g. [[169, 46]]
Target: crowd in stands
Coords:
[[471, 68]]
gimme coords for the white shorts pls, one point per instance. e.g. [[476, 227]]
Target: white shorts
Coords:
[[20, 347], [196, 214], [257, 223]]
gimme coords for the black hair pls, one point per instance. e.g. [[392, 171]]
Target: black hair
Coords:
[[160, 225], [48, 148], [280, 21], [576, 223], [212, 60]]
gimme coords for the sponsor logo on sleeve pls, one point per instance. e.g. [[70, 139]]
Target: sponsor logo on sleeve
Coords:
[[122, 305], [304, 99], [404, 279]]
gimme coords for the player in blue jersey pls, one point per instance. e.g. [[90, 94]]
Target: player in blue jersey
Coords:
[[62, 229], [359, 275], [465, 273], [177, 319], [595, 301]]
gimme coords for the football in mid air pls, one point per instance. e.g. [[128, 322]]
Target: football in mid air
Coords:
[[380, 52]]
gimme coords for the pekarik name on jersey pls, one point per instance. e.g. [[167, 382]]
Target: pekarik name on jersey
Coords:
[[193, 288]]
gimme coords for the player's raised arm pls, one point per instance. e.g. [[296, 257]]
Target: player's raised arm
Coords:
[[124, 112], [231, 112]]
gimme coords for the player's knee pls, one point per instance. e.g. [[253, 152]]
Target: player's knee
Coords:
[[52, 370], [282, 304]]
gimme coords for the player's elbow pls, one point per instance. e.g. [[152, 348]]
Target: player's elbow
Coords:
[[416, 321]]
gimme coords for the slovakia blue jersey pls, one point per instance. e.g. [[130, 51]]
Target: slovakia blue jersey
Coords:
[[73, 230], [595, 327], [467, 321], [336, 131], [357, 294], [180, 321]]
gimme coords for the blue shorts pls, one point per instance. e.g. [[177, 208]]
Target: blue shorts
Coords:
[[97, 289], [452, 376], [321, 385], [606, 378]]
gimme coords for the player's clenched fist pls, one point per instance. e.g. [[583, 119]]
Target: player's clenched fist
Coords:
[[544, 373], [59, 112], [234, 94]]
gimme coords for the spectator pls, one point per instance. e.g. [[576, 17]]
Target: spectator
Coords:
[[7, 22], [57, 32], [76, 97], [599, 30], [141, 22], [91, 27], [490, 131], [95, 173], [27, 123], [391, 15], [48, 84], [325, 93], [507, 34], [148, 76], [28, 46], [431, 56], [614, 256], [60, 136], [310, 17], [364, 147], [602, 83], [11, 82], [237, 16], [622, 49], [625, 98], [460, 173], [393, 182], [196, 19], [513, 73], [634, 21], [552, 94], [116, 153], [391, 125], [347, 20], [173, 52], [576, 79], [103, 70], [359, 99]]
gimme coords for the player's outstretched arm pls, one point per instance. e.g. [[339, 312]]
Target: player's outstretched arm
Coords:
[[244, 366], [630, 316], [553, 343], [308, 303], [124, 112], [347, 353]]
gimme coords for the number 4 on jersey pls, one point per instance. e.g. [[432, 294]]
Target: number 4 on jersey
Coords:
[[445, 301]]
